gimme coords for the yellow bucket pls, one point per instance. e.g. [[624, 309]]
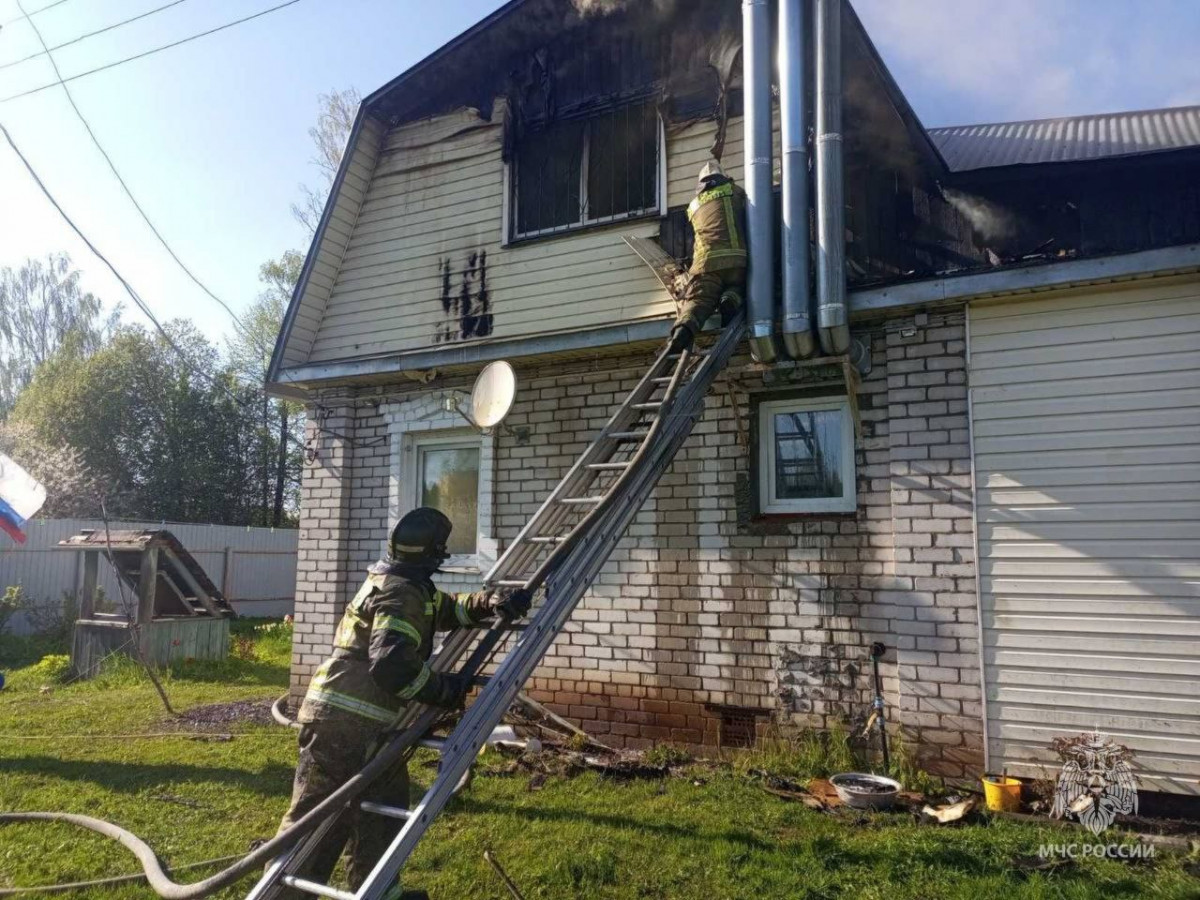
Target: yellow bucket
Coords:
[[1003, 794]]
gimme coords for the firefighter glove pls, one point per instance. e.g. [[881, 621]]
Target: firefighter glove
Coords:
[[513, 605]]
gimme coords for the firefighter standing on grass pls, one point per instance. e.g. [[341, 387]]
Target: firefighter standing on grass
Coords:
[[718, 273], [380, 662]]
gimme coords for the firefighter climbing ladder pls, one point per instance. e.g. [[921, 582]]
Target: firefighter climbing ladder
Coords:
[[562, 548]]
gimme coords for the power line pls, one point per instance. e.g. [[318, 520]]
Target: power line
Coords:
[[143, 55], [243, 405], [125, 284], [41, 9], [83, 37], [246, 333]]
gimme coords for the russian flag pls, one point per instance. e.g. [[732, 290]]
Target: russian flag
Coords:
[[20, 498], [11, 523]]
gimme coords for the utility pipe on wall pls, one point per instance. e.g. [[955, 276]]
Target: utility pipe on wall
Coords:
[[799, 341], [832, 321], [756, 61]]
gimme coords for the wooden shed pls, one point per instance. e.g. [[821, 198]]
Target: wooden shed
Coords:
[[171, 606]]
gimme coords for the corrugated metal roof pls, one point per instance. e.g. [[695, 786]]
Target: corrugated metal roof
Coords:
[[966, 147]]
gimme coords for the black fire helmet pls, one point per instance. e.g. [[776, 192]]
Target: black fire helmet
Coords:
[[420, 537]]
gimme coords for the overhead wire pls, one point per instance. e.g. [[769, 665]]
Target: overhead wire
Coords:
[[141, 304], [40, 9], [82, 37], [242, 329], [144, 54]]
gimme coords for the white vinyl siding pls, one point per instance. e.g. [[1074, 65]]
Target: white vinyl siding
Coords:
[[437, 194], [1086, 427], [329, 252]]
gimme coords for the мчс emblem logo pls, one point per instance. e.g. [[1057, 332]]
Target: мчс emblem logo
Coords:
[[1097, 781]]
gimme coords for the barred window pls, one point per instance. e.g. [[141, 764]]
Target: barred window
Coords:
[[580, 172]]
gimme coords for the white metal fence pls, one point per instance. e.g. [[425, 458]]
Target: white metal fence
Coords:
[[255, 568]]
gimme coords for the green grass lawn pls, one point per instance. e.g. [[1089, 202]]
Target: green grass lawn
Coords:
[[713, 834]]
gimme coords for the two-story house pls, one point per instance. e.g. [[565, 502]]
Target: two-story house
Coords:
[[998, 480]]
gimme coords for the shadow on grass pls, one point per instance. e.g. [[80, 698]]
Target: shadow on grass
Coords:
[[745, 838], [272, 781], [232, 671]]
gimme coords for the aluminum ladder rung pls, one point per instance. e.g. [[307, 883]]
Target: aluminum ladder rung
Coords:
[[392, 812], [650, 404], [662, 379], [436, 744], [510, 582], [604, 467], [628, 435], [543, 540], [321, 890], [578, 501]]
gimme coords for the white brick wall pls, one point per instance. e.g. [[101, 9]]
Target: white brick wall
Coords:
[[703, 603]]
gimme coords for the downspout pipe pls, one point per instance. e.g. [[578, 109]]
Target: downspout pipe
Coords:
[[760, 282], [799, 341], [832, 321]]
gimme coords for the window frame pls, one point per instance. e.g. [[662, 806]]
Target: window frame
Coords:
[[765, 455], [452, 439], [511, 187], [422, 417]]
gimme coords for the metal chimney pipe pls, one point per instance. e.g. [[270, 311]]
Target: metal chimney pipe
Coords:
[[799, 342], [832, 319], [756, 61]]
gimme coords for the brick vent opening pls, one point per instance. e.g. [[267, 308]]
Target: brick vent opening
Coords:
[[738, 724]]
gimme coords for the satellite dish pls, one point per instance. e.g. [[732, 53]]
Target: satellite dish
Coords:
[[493, 394]]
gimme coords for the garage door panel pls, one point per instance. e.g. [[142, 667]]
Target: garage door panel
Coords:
[[1131, 548], [1085, 417], [1061, 325], [1081, 606], [1170, 629], [1114, 568], [1084, 476], [1108, 588], [1026, 751], [1178, 687], [1049, 344], [1076, 306], [1183, 413], [1178, 710], [1072, 532], [1083, 405], [1109, 367], [1148, 384], [1154, 491], [1083, 660], [1065, 357]]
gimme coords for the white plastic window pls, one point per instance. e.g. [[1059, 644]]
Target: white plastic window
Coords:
[[806, 456]]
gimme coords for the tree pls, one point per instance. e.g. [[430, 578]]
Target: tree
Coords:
[[73, 490], [42, 310], [279, 428], [164, 441], [329, 136]]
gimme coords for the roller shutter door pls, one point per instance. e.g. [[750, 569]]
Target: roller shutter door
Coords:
[[1086, 429]]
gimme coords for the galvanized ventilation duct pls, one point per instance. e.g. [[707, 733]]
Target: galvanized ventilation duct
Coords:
[[832, 320], [798, 339], [756, 60]]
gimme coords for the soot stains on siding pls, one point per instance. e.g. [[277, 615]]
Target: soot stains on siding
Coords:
[[466, 303]]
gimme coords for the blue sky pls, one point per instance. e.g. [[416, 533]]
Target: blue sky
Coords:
[[212, 136]]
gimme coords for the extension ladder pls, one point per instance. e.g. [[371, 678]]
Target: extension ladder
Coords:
[[562, 548]]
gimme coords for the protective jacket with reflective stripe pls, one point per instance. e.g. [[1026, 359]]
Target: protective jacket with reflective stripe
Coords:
[[382, 647], [718, 217]]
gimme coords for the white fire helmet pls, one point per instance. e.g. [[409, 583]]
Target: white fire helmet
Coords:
[[711, 169]]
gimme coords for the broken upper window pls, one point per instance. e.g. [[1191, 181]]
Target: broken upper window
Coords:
[[581, 172]]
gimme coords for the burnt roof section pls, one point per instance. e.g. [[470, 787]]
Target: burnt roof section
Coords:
[[1071, 139]]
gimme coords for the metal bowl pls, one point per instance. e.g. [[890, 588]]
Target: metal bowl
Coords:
[[861, 790]]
